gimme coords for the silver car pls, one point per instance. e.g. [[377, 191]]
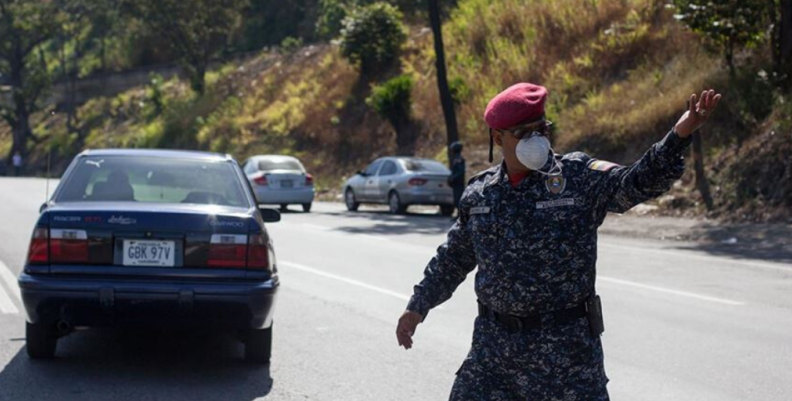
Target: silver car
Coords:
[[400, 182], [280, 180]]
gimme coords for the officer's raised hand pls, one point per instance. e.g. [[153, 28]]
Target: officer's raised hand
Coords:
[[698, 113], [406, 328]]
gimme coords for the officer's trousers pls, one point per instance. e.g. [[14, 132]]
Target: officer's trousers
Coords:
[[559, 363]]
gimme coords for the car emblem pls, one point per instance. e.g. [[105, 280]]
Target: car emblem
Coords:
[[555, 184], [121, 220]]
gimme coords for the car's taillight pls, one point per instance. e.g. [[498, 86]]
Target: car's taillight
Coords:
[[258, 253], [308, 179], [417, 181], [39, 246], [227, 250], [261, 180], [68, 246]]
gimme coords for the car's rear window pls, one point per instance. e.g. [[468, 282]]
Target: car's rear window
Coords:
[[426, 166], [279, 164], [154, 180]]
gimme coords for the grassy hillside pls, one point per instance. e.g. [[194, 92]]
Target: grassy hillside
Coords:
[[618, 71]]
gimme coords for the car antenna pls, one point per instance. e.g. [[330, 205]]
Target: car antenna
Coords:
[[49, 159]]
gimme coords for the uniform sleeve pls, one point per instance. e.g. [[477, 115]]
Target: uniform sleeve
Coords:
[[454, 260], [623, 187]]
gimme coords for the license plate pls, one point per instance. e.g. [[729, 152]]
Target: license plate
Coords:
[[149, 253], [287, 184]]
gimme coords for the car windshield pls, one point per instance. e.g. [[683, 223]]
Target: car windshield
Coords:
[[425, 166], [153, 180], [279, 164]]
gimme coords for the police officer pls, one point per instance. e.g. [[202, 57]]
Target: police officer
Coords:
[[530, 225], [457, 178]]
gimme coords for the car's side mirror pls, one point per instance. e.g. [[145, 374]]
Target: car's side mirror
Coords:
[[362, 173], [43, 207], [269, 215]]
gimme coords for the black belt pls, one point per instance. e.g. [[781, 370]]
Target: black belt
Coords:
[[516, 324]]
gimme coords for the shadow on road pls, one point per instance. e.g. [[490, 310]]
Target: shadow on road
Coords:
[[383, 222], [137, 365], [772, 242]]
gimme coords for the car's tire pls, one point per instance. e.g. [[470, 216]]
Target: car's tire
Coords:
[[349, 199], [41, 340], [284, 207], [258, 345], [306, 207], [395, 204], [447, 210]]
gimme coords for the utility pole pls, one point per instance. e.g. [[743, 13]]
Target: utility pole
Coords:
[[442, 80]]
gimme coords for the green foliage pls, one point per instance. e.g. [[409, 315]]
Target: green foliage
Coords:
[[155, 96], [728, 24], [372, 36], [392, 100], [459, 90], [331, 17], [291, 45], [196, 30]]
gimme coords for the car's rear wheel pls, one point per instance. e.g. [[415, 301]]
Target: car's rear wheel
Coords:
[[447, 210], [258, 345], [351, 203], [41, 340], [306, 207], [395, 204]]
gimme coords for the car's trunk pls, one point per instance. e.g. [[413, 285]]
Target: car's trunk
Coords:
[[141, 239], [285, 179]]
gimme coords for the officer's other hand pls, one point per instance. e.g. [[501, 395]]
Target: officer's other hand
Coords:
[[406, 328], [698, 112]]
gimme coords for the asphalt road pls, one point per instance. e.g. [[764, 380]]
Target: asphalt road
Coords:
[[680, 324]]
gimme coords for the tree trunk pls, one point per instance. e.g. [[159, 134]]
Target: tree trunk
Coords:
[[701, 180], [442, 81], [405, 137], [21, 130], [785, 43]]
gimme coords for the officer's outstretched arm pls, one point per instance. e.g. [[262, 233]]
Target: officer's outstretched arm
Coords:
[[454, 260], [619, 188]]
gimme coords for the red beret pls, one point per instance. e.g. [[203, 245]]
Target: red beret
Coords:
[[519, 104]]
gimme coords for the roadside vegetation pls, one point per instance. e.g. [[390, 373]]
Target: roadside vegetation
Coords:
[[347, 81]]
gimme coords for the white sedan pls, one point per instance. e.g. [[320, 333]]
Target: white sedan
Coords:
[[280, 180]]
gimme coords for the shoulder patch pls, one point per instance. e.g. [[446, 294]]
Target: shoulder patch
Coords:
[[601, 165]]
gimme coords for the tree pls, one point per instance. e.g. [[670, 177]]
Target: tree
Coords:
[[446, 99], [393, 101], [728, 24], [781, 15], [372, 36], [24, 26], [196, 30]]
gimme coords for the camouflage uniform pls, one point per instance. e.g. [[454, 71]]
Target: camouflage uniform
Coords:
[[535, 246]]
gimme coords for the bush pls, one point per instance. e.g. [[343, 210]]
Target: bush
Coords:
[[372, 36], [291, 45], [392, 99]]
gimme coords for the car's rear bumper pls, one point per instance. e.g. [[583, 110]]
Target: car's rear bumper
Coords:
[[427, 198], [140, 302], [280, 196]]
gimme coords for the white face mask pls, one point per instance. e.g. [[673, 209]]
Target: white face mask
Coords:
[[533, 152]]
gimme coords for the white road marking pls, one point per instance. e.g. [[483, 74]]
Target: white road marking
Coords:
[[6, 304], [664, 253], [670, 291], [706, 258], [345, 280], [10, 279]]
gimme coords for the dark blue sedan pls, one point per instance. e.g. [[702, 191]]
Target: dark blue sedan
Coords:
[[151, 238]]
